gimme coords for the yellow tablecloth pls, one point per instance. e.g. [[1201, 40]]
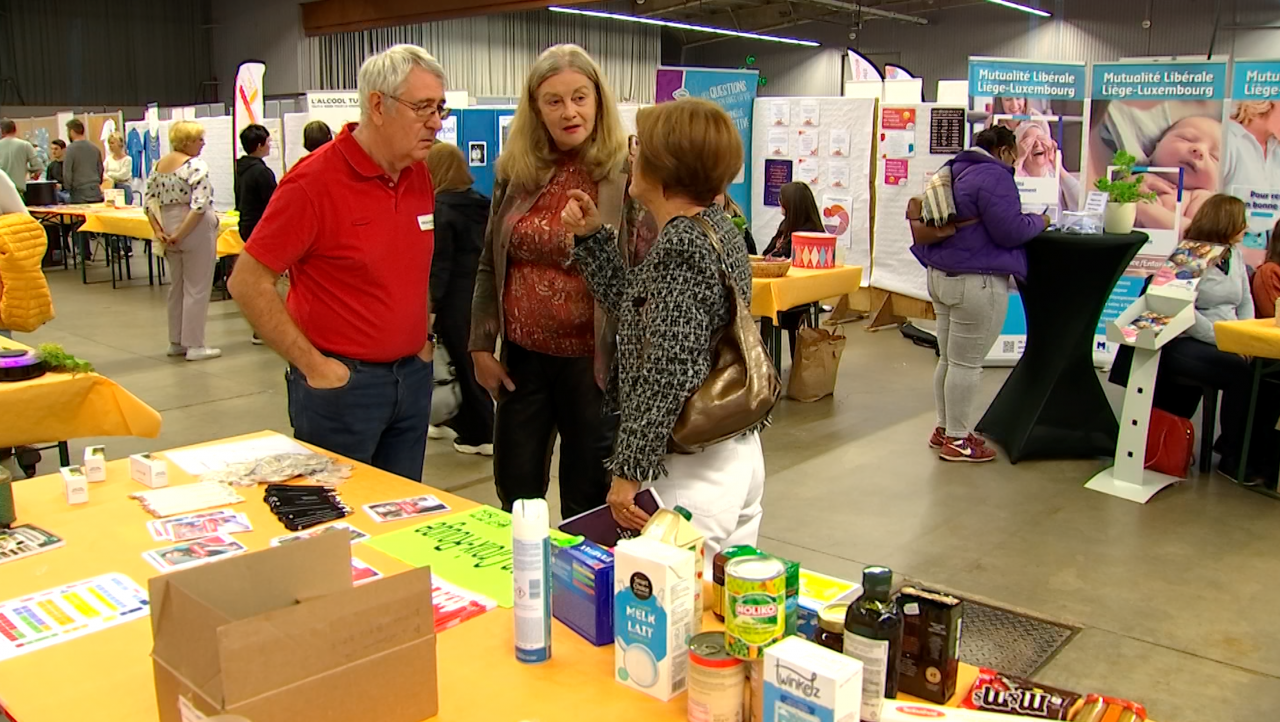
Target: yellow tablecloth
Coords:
[[58, 407], [769, 296], [1259, 338], [132, 222]]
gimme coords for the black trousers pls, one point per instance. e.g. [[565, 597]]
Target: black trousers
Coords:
[[474, 421], [1192, 360], [553, 395]]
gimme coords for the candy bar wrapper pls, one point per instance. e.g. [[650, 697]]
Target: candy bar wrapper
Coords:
[[994, 691], [1097, 708]]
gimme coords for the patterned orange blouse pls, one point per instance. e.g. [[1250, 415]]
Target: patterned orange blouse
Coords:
[[547, 306]]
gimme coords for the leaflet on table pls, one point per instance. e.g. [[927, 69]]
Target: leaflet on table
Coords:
[[472, 548], [203, 459], [40, 620], [1188, 262]]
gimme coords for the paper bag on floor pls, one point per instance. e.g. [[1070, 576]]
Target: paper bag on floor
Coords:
[[816, 364]]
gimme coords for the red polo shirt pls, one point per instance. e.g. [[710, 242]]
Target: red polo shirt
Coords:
[[357, 247]]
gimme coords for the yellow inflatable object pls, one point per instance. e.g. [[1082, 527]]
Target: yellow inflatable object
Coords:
[[25, 302]]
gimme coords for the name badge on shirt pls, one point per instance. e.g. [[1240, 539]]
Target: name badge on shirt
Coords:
[[427, 222]]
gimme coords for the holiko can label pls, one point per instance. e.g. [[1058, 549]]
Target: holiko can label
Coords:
[[755, 605]]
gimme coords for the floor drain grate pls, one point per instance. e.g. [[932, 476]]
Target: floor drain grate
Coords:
[[1009, 642]]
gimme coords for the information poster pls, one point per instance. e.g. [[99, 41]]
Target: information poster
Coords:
[[335, 107], [946, 131], [1043, 104], [1167, 114], [896, 171], [731, 89], [1251, 150], [777, 173]]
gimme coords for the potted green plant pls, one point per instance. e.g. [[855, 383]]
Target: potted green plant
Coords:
[[1124, 192]]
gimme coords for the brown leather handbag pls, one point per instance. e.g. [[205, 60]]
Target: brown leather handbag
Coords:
[[742, 386]]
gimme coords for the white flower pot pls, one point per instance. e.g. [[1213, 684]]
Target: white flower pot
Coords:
[[1119, 218]]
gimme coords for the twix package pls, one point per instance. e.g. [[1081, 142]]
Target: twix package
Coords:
[[1109, 709], [995, 691]]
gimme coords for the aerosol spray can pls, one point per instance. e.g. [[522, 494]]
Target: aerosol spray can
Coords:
[[531, 546]]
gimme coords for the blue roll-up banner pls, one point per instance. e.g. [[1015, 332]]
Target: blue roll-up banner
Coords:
[[733, 90], [1169, 115], [480, 136], [1251, 150], [1043, 104]]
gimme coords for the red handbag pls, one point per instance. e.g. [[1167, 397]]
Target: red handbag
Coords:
[[1171, 443]]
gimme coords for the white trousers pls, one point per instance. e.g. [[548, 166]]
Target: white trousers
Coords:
[[723, 487]]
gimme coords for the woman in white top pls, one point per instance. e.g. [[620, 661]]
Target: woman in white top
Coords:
[[179, 205], [118, 167], [1253, 147]]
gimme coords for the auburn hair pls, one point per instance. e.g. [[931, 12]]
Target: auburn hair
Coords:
[[448, 168], [689, 147], [529, 156], [1221, 219]]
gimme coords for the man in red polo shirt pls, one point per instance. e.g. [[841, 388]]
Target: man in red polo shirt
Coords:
[[353, 225]]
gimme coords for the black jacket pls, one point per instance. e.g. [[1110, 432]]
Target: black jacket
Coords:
[[460, 220], [254, 185]]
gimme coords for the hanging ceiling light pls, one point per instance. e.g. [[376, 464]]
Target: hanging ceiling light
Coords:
[[1023, 8], [684, 26]]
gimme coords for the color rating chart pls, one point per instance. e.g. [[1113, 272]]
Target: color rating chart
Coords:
[[56, 615]]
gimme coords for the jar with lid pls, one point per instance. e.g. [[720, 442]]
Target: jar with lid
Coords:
[[831, 620]]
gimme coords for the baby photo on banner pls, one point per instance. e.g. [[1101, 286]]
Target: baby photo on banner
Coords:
[[1251, 150], [1043, 104]]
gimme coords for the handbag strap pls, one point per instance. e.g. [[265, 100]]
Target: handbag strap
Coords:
[[710, 230]]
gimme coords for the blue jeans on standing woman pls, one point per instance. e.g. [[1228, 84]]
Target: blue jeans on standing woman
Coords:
[[379, 417]]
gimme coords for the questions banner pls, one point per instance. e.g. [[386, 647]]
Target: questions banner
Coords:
[[733, 90]]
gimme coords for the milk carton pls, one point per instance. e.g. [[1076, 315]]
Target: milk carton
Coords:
[[76, 484], [148, 470], [805, 681], [652, 616], [95, 463]]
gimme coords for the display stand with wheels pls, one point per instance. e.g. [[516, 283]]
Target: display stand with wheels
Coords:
[[1128, 479]]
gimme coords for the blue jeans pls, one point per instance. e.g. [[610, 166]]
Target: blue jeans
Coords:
[[379, 417]]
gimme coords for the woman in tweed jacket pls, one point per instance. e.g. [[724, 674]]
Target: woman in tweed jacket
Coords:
[[668, 308]]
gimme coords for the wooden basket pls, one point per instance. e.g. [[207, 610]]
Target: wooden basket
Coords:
[[762, 268]]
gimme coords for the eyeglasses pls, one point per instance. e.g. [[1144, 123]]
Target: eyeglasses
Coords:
[[425, 110]]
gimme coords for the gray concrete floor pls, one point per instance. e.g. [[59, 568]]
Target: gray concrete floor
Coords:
[[1176, 598]]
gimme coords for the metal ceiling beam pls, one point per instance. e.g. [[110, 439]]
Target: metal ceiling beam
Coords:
[[654, 7], [852, 7]]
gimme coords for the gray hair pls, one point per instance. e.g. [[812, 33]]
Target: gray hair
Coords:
[[387, 71]]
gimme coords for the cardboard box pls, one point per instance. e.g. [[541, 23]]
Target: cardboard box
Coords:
[[148, 470], [281, 635], [805, 681], [95, 463], [77, 486], [582, 590], [930, 644], [816, 592], [652, 616]]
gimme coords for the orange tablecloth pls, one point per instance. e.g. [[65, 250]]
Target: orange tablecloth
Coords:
[[107, 676], [58, 407], [132, 222], [1259, 338], [800, 286]]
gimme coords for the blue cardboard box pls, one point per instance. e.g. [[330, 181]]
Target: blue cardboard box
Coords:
[[582, 590]]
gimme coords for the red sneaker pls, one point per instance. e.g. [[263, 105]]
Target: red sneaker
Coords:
[[970, 449], [938, 439]]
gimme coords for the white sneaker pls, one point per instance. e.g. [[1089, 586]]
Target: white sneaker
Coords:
[[479, 450], [256, 340], [440, 432], [176, 350], [200, 353]]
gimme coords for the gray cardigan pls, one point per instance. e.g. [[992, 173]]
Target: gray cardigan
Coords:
[[669, 308], [1222, 297]]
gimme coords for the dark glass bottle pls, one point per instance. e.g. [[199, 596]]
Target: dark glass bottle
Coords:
[[873, 635]]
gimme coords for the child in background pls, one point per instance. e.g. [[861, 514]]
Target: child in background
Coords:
[[1266, 282]]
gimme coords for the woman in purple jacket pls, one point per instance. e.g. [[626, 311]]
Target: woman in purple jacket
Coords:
[[969, 283]]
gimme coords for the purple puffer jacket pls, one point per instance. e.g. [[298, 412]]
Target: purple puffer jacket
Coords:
[[984, 189]]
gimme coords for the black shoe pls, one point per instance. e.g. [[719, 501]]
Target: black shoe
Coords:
[[1229, 469]]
